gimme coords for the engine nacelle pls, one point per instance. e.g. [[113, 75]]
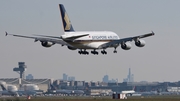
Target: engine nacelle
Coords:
[[71, 48], [126, 46], [140, 43], [46, 44]]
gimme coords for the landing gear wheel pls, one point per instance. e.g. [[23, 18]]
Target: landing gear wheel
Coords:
[[115, 51], [94, 52], [80, 52], [103, 52], [83, 52]]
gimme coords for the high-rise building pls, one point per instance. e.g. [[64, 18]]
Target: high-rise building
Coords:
[[130, 77], [106, 78], [65, 77]]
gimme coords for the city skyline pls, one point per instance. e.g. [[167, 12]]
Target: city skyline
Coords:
[[68, 78], [157, 61]]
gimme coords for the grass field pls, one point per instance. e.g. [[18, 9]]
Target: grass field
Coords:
[[152, 98]]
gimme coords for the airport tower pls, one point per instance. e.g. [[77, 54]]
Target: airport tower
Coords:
[[21, 69]]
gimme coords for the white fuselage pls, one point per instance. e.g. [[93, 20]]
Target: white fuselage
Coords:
[[92, 40], [128, 92]]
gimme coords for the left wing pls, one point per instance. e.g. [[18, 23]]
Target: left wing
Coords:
[[54, 40], [123, 40]]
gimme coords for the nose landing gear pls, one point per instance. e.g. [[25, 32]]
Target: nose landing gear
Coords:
[[115, 51]]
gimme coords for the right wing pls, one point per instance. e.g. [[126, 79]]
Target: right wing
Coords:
[[123, 40], [53, 39]]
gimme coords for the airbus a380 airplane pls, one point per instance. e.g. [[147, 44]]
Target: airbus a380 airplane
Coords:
[[83, 40]]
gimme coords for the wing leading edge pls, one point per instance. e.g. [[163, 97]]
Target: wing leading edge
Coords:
[[41, 38]]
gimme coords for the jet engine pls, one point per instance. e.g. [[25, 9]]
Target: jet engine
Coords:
[[140, 43], [46, 44], [126, 46], [71, 48]]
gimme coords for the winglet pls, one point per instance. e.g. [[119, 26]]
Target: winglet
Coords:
[[6, 33], [153, 33], [134, 88]]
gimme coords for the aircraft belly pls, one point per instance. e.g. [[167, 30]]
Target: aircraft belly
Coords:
[[87, 45]]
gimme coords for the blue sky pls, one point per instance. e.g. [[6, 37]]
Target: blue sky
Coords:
[[157, 61]]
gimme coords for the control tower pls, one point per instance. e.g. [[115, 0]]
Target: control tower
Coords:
[[21, 69]]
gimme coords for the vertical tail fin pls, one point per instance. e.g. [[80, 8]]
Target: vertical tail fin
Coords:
[[53, 87], [65, 19], [134, 88], [3, 88]]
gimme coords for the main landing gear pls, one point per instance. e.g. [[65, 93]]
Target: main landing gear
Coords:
[[94, 52], [103, 52], [83, 52]]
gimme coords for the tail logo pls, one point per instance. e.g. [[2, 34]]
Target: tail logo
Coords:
[[68, 23]]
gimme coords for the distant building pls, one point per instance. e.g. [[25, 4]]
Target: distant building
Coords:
[[65, 77], [79, 83], [113, 81], [106, 79], [125, 80], [130, 77], [29, 76], [71, 78]]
